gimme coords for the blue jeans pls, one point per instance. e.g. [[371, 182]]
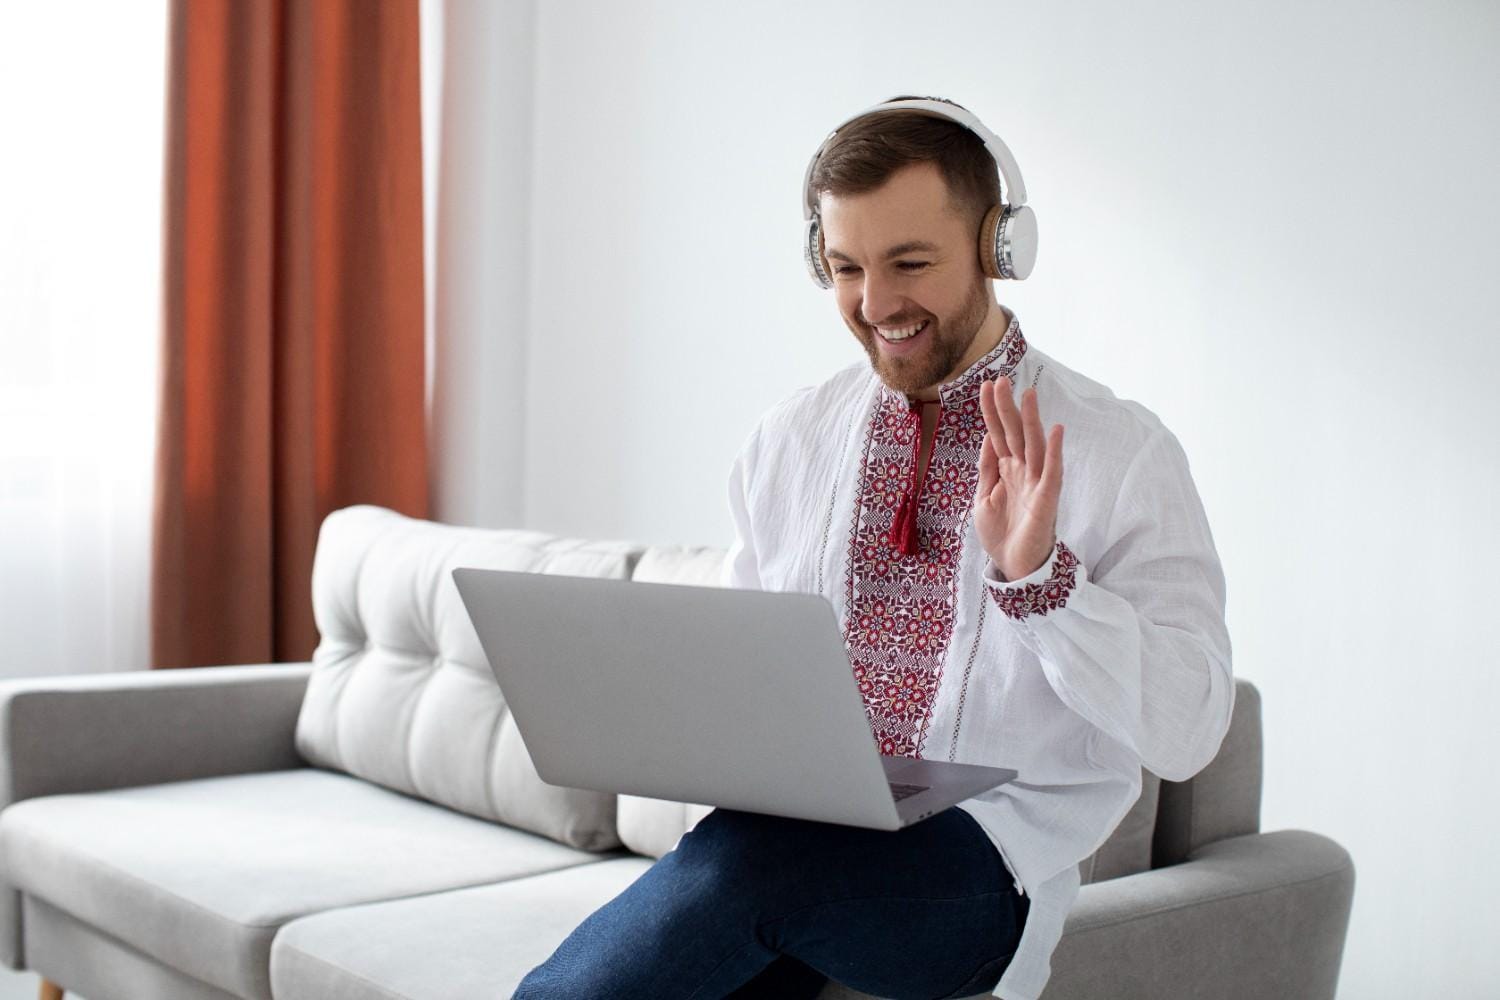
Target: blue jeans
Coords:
[[749, 905]]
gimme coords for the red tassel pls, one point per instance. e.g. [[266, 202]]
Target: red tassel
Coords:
[[904, 525], [901, 527]]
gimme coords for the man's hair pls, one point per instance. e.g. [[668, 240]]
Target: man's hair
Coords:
[[865, 153]]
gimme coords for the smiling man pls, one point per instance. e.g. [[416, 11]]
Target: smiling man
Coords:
[[997, 609]]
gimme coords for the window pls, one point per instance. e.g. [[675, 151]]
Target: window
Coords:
[[82, 102]]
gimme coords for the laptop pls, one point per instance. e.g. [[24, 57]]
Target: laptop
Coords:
[[736, 698]]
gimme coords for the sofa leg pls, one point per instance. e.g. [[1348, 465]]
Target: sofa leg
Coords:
[[50, 991]]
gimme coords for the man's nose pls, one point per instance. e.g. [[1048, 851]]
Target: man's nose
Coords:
[[880, 301]]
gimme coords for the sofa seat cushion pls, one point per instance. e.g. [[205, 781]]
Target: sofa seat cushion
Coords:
[[201, 874], [476, 942]]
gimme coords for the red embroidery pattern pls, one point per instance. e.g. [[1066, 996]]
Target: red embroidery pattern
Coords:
[[902, 609], [1040, 598]]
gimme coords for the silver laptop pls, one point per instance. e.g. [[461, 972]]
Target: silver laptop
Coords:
[[734, 698]]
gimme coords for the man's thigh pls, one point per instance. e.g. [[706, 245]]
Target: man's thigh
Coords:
[[944, 856], [917, 912]]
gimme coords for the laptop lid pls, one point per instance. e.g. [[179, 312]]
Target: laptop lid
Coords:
[[734, 698]]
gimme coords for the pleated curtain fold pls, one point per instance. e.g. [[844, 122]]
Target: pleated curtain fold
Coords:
[[293, 360]]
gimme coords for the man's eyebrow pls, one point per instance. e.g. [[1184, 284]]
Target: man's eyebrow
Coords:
[[910, 246]]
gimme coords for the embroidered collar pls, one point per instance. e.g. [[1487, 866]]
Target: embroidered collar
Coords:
[[1002, 359]]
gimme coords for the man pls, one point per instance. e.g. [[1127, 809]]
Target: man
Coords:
[[999, 607]]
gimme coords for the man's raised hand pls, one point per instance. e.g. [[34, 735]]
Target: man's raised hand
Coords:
[[1020, 478]]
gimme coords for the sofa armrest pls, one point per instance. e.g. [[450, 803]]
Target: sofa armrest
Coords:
[[1261, 915], [87, 732]]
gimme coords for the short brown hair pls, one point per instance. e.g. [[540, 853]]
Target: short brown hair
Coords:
[[865, 153]]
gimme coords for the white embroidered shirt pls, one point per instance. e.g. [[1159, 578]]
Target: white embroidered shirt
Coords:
[[1111, 656]]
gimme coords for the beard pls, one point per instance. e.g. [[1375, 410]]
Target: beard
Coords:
[[949, 339]]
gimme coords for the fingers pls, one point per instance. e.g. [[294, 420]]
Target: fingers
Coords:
[[988, 393], [1010, 419], [1035, 437], [1053, 473], [1018, 432], [989, 468]]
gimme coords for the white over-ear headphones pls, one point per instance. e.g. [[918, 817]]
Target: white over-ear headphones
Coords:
[[1007, 237]]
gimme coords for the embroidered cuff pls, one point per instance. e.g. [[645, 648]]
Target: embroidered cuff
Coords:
[[1043, 591]]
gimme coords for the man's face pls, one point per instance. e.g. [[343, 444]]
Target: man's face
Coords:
[[902, 258]]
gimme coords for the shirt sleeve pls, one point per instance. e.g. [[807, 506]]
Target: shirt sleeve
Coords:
[[741, 567], [1136, 642]]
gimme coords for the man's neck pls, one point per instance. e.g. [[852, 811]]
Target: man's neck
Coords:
[[996, 322]]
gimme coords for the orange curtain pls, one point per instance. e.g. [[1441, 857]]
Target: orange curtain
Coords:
[[293, 362]]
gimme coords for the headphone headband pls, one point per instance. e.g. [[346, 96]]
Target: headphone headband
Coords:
[[1014, 193], [1007, 236]]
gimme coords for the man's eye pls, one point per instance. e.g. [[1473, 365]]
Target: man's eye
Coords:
[[910, 266]]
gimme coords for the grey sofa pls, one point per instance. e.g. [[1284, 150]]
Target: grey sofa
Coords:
[[368, 825]]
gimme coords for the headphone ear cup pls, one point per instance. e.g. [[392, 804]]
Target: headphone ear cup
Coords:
[[1007, 242], [1018, 237], [989, 242], [812, 253]]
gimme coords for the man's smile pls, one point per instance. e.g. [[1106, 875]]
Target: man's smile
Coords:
[[901, 340], [894, 333]]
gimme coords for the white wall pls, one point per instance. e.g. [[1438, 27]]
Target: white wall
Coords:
[[477, 75], [1272, 223]]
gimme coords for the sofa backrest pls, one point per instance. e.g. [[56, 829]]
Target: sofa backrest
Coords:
[[401, 693]]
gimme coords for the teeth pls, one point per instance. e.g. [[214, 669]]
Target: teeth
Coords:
[[901, 332]]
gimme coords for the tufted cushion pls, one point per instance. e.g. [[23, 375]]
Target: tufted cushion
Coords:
[[401, 693], [653, 826], [695, 565]]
